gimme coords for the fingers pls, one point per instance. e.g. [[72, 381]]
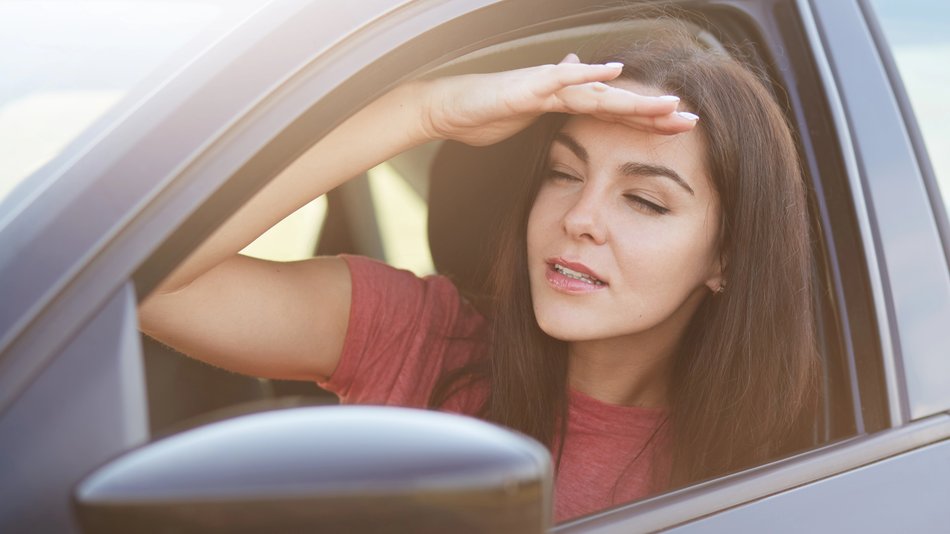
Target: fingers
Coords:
[[599, 97], [549, 79], [484, 108], [670, 124], [650, 113], [578, 88]]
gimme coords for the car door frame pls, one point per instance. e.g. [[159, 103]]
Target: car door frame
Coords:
[[193, 186]]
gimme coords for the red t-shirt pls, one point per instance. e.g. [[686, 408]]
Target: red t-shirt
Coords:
[[404, 331]]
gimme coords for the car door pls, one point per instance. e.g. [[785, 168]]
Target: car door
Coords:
[[892, 475], [245, 108], [72, 386]]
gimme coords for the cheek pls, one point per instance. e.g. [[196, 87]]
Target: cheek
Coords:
[[664, 258]]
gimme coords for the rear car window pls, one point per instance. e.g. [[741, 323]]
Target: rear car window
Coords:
[[916, 32]]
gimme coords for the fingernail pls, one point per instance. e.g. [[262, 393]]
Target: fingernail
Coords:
[[688, 116], [669, 98], [600, 86], [614, 65]]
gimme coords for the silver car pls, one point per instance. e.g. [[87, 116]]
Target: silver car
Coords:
[[129, 131]]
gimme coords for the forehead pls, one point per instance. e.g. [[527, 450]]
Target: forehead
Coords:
[[610, 145]]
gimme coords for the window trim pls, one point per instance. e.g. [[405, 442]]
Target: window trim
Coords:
[[895, 410], [340, 101], [916, 291], [327, 112], [889, 63]]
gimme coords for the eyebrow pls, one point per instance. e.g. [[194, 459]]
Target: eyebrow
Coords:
[[627, 169]]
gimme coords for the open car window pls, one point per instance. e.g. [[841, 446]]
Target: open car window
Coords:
[[384, 215]]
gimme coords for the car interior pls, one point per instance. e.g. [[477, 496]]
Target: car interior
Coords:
[[460, 192]]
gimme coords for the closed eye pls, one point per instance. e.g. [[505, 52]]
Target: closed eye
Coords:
[[562, 176], [644, 204]]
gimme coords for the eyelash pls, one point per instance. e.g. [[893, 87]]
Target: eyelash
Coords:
[[646, 204], [558, 175], [640, 202]]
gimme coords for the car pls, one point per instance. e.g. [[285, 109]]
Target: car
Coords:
[[168, 116]]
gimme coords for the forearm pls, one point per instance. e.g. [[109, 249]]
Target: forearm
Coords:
[[379, 131]]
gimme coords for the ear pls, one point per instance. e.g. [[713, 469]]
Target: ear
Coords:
[[717, 276]]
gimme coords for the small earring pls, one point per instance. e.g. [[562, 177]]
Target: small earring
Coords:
[[722, 288]]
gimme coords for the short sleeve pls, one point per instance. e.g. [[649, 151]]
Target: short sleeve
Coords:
[[403, 333]]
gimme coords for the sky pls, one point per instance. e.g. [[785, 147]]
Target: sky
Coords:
[[65, 63]]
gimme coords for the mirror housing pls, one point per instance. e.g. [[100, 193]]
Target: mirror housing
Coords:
[[332, 469]]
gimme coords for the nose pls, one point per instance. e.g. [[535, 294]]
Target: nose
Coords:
[[584, 219]]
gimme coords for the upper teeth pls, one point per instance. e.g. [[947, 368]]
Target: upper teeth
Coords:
[[576, 275]]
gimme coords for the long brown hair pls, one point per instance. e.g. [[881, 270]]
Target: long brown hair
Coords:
[[744, 372]]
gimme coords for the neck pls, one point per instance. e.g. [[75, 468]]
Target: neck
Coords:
[[631, 370], [617, 372]]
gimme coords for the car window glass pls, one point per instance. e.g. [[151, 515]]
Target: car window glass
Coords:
[[916, 31], [399, 205], [67, 64], [293, 238], [400, 212]]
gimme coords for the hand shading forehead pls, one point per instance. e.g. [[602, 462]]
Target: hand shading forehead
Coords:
[[624, 151]]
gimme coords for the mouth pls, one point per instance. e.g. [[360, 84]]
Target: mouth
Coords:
[[572, 277], [576, 275]]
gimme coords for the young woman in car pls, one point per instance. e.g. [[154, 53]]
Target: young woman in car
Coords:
[[652, 315]]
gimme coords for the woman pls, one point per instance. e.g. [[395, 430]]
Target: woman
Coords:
[[652, 318]]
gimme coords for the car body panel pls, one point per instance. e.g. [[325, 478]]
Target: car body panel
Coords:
[[126, 210], [905, 493], [87, 406]]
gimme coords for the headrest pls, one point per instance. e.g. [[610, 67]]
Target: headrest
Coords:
[[472, 192]]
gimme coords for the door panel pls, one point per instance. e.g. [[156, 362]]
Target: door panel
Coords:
[[904, 493], [87, 406]]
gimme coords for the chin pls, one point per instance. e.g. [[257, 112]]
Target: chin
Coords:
[[566, 326]]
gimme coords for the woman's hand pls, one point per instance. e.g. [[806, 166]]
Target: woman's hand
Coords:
[[481, 109]]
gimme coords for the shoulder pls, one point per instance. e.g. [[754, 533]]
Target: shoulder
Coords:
[[403, 332], [380, 288]]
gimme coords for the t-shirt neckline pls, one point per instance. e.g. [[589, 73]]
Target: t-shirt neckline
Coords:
[[599, 416]]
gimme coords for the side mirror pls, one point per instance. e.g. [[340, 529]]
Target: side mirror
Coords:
[[326, 469]]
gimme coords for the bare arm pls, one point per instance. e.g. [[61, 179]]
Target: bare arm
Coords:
[[268, 318], [288, 320]]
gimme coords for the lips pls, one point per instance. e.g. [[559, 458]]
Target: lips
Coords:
[[572, 277]]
